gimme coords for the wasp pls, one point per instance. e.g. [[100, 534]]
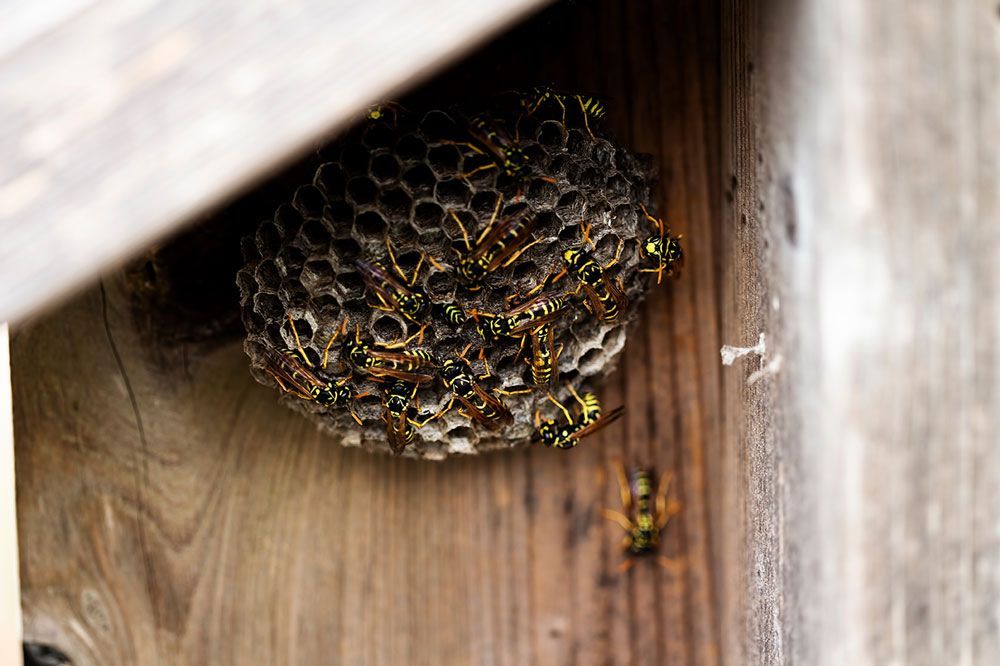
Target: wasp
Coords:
[[480, 405], [523, 318], [544, 357], [400, 415], [295, 374], [590, 107], [644, 518], [451, 313], [605, 298], [566, 436], [388, 360], [382, 112], [392, 294], [663, 247], [499, 245], [491, 140]]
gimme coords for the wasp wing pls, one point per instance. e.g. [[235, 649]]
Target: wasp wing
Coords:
[[501, 415], [616, 294], [381, 282], [397, 429], [602, 422], [291, 371]]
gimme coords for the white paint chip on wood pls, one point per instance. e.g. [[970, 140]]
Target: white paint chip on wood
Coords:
[[730, 353]]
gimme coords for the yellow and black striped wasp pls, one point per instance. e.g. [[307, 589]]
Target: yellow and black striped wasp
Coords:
[[400, 414], [605, 298], [452, 313], [392, 294], [644, 518], [567, 435], [499, 245], [491, 140], [521, 319], [663, 247], [544, 356], [479, 404], [295, 374], [394, 361], [590, 106]]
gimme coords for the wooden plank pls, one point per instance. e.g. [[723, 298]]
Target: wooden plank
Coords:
[[10, 588], [119, 121], [224, 530], [864, 158]]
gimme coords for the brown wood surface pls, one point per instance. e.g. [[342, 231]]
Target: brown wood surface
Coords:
[[172, 512]]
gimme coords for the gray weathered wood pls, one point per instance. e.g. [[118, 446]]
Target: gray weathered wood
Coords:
[[864, 160], [119, 121]]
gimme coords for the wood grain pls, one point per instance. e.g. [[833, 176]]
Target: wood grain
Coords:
[[120, 121], [172, 512], [862, 147]]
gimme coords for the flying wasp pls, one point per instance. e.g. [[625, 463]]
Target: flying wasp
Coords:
[[590, 107], [663, 247], [394, 295], [295, 374], [566, 436], [499, 245], [605, 298], [644, 518], [394, 360], [479, 404], [400, 414]]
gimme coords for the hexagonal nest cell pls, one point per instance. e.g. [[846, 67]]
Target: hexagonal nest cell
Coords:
[[430, 182]]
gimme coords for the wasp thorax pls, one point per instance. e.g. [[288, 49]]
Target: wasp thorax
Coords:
[[420, 229]]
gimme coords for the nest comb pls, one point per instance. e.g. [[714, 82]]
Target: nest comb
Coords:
[[400, 177]]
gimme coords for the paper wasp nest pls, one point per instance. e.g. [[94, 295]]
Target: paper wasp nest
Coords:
[[398, 177]]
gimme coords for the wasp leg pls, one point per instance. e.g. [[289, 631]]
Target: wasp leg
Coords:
[[618, 254], [326, 350], [524, 249], [486, 167], [434, 263], [517, 392], [665, 509], [351, 407], [658, 271], [671, 564], [465, 234], [623, 486], [576, 396], [471, 146], [444, 411], [569, 417], [400, 344], [583, 112], [493, 217], [626, 564], [621, 519], [585, 235], [298, 344], [657, 222]]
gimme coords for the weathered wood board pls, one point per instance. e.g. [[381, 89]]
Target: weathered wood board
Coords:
[[118, 120], [863, 150], [171, 511]]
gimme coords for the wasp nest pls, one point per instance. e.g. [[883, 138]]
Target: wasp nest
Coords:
[[410, 178]]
